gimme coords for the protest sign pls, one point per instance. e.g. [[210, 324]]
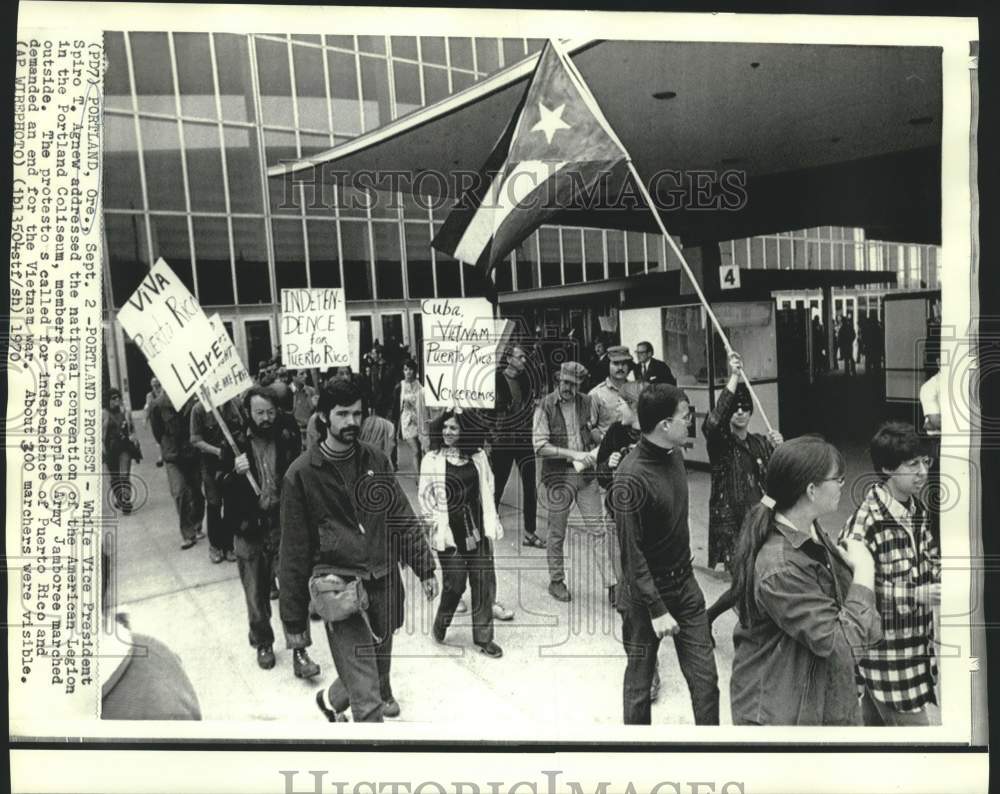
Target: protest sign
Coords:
[[460, 346], [228, 380], [314, 330], [170, 329]]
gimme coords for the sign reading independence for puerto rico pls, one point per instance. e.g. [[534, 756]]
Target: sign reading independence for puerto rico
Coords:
[[172, 332], [314, 329], [229, 379], [460, 352]]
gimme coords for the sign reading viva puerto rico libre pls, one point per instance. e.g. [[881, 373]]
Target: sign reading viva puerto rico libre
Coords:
[[170, 329], [314, 329], [460, 352]]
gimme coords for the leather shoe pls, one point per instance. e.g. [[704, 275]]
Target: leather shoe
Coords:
[[438, 632], [216, 555], [303, 666], [492, 650], [187, 544], [230, 556], [265, 657], [390, 708], [559, 591], [331, 714]]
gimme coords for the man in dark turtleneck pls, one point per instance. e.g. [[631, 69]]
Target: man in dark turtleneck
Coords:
[[344, 514]]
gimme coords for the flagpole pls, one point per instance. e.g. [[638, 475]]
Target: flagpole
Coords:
[[589, 98]]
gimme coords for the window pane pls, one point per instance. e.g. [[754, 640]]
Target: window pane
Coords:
[[117, 93], [309, 38], [407, 77], [310, 88], [756, 253], [170, 241], [211, 252], [572, 255], [487, 59], [404, 47], [357, 260], [375, 92], [284, 195], [162, 159], [800, 254], [275, 82], [128, 255], [243, 169], [548, 243], [435, 84], [526, 255], [253, 283], [461, 52], [344, 42], [289, 254], [825, 260], [850, 263], [122, 186], [234, 77], [593, 243], [388, 265], [740, 258], [771, 253], [460, 80], [432, 49], [616, 253], [154, 83], [259, 349], [513, 51], [535, 45], [374, 44], [344, 92], [636, 253], [353, 202], [318, 192], [785, 253], [503, 275], [324, 262], [194, 75], [204, 163]]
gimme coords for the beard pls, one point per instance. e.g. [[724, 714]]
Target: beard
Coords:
[[262, 430]]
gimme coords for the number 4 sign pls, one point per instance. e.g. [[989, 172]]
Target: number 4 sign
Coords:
[[729, 277]]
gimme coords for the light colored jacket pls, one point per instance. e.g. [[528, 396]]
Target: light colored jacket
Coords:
[[434, 503]]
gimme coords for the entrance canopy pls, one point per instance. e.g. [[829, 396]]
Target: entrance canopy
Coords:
[[825, 135]]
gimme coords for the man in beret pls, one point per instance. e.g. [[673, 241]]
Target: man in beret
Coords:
[[563, 437]]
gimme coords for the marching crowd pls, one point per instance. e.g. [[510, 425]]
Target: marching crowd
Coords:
[[297, 484]]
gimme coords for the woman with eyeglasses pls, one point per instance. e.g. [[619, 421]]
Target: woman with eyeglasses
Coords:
[[739, 469], [806, 607]]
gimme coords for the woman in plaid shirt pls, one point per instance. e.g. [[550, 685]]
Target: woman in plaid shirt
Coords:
[[898, 675]]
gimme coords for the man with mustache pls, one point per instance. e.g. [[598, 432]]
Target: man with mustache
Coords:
[[269, 443], [344, 518]]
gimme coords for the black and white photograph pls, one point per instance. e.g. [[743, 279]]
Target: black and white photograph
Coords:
[[499, 379]]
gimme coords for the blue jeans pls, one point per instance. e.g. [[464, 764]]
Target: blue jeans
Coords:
[[686, 604], [254, 562], [184, 478]]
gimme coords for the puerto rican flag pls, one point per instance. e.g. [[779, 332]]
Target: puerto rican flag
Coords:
[[557, 145]]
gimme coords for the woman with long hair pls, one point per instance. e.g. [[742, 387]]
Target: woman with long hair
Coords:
[[456, 497], [806, 606], [408, 412]]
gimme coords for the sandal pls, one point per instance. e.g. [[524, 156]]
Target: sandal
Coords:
[[533, 540]]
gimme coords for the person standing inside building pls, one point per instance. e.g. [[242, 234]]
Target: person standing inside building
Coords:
[[268, 443], [563, 436], [510, 438], [120, 448], [899, 673], [845, 342], [739, 471], [608, 393], [345, 519], [172, 431], [597, 364], [208, 438], [806, 607], [658, 595], [304, 399], [409, 416], [649, 369], [456, 490]]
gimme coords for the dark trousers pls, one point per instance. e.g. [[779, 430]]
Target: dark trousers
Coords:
[[505, 455], [364, 664], [184, 478], [220, 534], [685, 602], [254, 562], [120, 467], [476, 567]]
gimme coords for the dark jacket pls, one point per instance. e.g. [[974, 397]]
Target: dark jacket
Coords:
[[509, 422], [795, 664], [242, 509], [117, 428], [172, 430], [363, 534], [619, 438], [656, 372], [739, 472]]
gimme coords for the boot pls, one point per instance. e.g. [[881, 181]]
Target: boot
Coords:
[[303, 666]]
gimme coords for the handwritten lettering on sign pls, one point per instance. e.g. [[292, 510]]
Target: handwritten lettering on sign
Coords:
[[314, 329], [170, 329], [230, 379], [460, 352]]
